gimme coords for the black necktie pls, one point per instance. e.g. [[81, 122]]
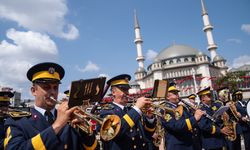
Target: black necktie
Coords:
[[125, 109], [50, 118]]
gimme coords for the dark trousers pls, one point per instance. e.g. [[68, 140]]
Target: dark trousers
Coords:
[[215, 149], [234, 145], [246, 136]]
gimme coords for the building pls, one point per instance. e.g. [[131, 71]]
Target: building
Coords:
[[244, 82], [190, 68]]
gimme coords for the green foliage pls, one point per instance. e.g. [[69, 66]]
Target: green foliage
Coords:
[[231, 80]]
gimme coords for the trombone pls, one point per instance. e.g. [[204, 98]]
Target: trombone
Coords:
[[110, 125]]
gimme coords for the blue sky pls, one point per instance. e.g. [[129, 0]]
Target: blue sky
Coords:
[[90, 38]]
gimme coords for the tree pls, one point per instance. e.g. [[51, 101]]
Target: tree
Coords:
[[231, 80]]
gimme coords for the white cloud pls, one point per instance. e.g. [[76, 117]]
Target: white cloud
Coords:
[[233, 40], [90, 67], [245, 28], [151, 54], [104, 75], [26, 49], [240, 61], [40, 15]]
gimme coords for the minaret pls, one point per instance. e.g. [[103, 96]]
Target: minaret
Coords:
[[138, 42], [208, 30]]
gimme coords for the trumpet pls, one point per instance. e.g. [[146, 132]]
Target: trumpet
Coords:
[[14, 113], [110, 125]]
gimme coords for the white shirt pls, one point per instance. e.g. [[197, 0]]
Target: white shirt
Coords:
[[122, 107], [42, 111]]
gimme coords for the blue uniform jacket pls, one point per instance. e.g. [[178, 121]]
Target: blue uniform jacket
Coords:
[[133, 133], [241, 107], [211, 136], [34, 132], [2, 132], [179, 129]]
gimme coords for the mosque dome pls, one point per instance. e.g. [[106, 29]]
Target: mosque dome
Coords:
[[201, 54], [139, 70], [176, 51], [218, 58]]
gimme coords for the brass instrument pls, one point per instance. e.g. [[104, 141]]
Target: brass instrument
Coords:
[[160, 133], [231, 122], [231, 125], [110, 125], [14, 113], [233, 110]]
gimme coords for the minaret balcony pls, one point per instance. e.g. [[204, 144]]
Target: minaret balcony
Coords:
[[208, 27], [140, 58], [138, 40], [212, 47]]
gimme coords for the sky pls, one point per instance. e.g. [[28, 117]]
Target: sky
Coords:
[[92, 38]]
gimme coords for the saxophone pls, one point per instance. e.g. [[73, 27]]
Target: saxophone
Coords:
[[230, 120], [159, 134], [231, 125]]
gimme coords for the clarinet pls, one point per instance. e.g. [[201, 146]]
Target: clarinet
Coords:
[[195, 107]]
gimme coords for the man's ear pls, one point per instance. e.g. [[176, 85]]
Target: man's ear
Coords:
[[33, 90]]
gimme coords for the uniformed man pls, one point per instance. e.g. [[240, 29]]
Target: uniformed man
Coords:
[[4, 104], [244, 120], [136, 128], [233, 114], [196, 131], [179, 125], [191, 98], [212, 135], [47, 127]]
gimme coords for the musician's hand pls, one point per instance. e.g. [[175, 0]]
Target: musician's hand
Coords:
[[245, 119], [140, 103], [63, 116], [225, 131], [64, 99], [238, 115], [198, 113], [149, 113]]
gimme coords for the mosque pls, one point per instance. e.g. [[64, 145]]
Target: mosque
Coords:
[[190, 68]]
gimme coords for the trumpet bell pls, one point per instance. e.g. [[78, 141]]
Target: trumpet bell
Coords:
[[110, 127]]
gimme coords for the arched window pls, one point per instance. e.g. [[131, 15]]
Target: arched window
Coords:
[[178, 60], [171, 62], [185, 60], [193, 59]]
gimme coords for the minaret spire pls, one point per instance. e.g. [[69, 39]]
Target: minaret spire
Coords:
[[208, 30], [204, 10], [138, 42]]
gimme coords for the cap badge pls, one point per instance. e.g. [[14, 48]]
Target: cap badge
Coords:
[[51, 70]]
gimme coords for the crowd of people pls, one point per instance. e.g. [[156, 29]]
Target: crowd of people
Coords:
[[213, 124]]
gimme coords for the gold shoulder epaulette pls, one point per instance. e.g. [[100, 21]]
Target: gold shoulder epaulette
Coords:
[[107, 107], [218, 101], [17, 114]]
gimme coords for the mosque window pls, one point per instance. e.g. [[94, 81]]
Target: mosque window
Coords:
[[178, 60], [171, 62], [201, 59], [193, 59], [164, 63], [185, 60]]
